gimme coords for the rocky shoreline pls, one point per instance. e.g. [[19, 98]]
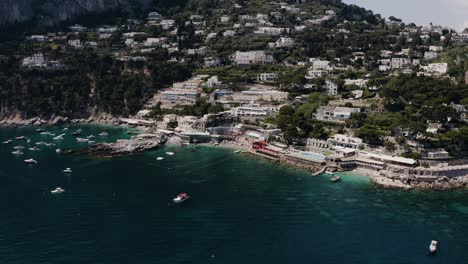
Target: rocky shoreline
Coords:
[[440, 184], [123, 147], [17, 119]]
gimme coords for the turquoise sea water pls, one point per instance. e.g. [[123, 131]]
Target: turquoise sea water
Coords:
[[242, 210]]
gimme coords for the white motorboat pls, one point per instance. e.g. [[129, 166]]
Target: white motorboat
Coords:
[[17, 152], [159, 158], [40, 130], [90, 137], [82, 139], [65, 129], [433, 247], [59, 137], [18, 147], [67, 170], [103, 134], [335, 178], [170, 153], [47, 133], [181, 198], [57, 190], [58, 151], [21, 138], [236, 151], [77, 132], [30, 161], [41, 143], [8, 141], [91, 142], [34, 149]]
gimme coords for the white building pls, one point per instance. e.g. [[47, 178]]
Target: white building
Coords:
[[335, 114], [331, 87], [340, 140], [225, 19], [254, 111], [358, 82], [436, 48], [229, 33], [36, 60], [251, 57], [154, 42], [438, 68], [430, 55], [76, 43], [321, 65], [267, 77], [167, 23], [284, 42], [213, 81], [77, 28], [154, 16], [271, 31]]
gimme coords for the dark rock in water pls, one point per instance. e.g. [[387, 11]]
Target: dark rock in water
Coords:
[[123, 147]]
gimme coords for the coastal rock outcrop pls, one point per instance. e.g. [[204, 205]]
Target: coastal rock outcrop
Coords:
[[123, 147]]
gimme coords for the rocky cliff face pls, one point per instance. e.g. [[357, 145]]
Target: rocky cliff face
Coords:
[[49, 12]]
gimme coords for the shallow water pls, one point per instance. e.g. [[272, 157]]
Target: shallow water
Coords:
[[242, 209]]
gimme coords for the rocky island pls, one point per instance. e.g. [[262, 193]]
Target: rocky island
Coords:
[[123, 147]]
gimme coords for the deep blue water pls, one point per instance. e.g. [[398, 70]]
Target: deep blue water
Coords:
[[242, 210]]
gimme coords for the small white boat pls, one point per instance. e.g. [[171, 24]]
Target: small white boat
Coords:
[[41, 143], [82, 139], [59, 137], [21, 138], [30, 161], [65, 129], [40, 130], [335, 179], [170, 153], [159, 158], [67, 170], [51, 144], [90, 137], [8, 141], [18, 147], [181, 198], [34, 149], [57, 190], [77, 132], [103, 134], [47, 133], [433, 247], [17, 152], [58, 151], [236, 151]]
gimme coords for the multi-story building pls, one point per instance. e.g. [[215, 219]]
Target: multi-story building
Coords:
[[335, 114], [252, 57], [267, 76], [284, 42], [340, 140]]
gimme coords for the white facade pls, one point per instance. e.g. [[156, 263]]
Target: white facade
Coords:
[[76, 43], [430, 55], [438, 68], [213, 82], [267, 76], [284, 42], [167, 23], [36, 60], [331, 87], [345, 141], [251, 57], [271, 31]]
